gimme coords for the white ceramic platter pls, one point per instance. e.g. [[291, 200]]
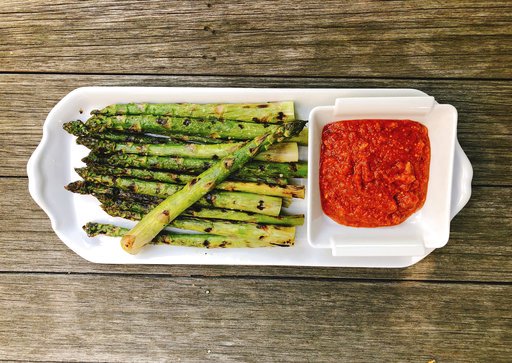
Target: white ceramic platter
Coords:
[[51, 167]]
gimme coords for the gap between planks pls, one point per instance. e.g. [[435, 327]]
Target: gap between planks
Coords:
[[229, 75], [262, 277]]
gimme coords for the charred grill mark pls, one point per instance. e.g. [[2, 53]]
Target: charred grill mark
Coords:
[[161, 121], [210, 198], [134, 128], [285, 244], [228, 163], [186, 122], [262, 106], [165, 212], [241, 126], [132, 187], [208, 230], [265, 125], [193, 181], [129, 241], [280, 116], [215, 157], [262, 227], [261, 205], [223, 244], [206, 243], [261, 237], [255, 119]]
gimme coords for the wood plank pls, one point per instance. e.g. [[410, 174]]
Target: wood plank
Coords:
[[138, 318], [421, 39], [483, 106], [479, 248]]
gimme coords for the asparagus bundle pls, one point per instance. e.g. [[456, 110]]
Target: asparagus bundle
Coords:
[[142, 154], [153, 222], [180, 239], [269, 112]]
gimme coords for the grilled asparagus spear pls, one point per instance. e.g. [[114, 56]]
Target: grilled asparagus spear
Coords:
[[254, 169], [179, 239], [247, 232], [200, 212], [80, 129], [250, 202], [295, 191], [171, 125], [283, 152], [142, 203], [271, 112]]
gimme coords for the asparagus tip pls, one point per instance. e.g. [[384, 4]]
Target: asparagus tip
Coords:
[[293, 128], [79, 187], [76, 128], [91, 229]]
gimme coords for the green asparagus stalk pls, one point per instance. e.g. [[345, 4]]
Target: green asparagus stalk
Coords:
[[271, 112], [199, 212], [244, 231], [80, 129], [173, 206], [283, 152], [179, 239], [191, 165], [97, 190], [97, 162], [250, 202], [243, 201], [170, 125], [295, 191]]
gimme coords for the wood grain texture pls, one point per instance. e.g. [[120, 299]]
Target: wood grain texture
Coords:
[[479, 248], [150, 319], [454, 306], [484, 111], [420, 39]]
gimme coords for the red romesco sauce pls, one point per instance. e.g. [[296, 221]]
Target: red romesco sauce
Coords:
[[373, 173]]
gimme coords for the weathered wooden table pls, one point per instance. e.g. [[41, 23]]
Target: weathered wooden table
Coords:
[[455, 306]]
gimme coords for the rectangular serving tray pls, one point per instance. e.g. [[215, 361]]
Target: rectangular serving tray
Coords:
[[52, 163]]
